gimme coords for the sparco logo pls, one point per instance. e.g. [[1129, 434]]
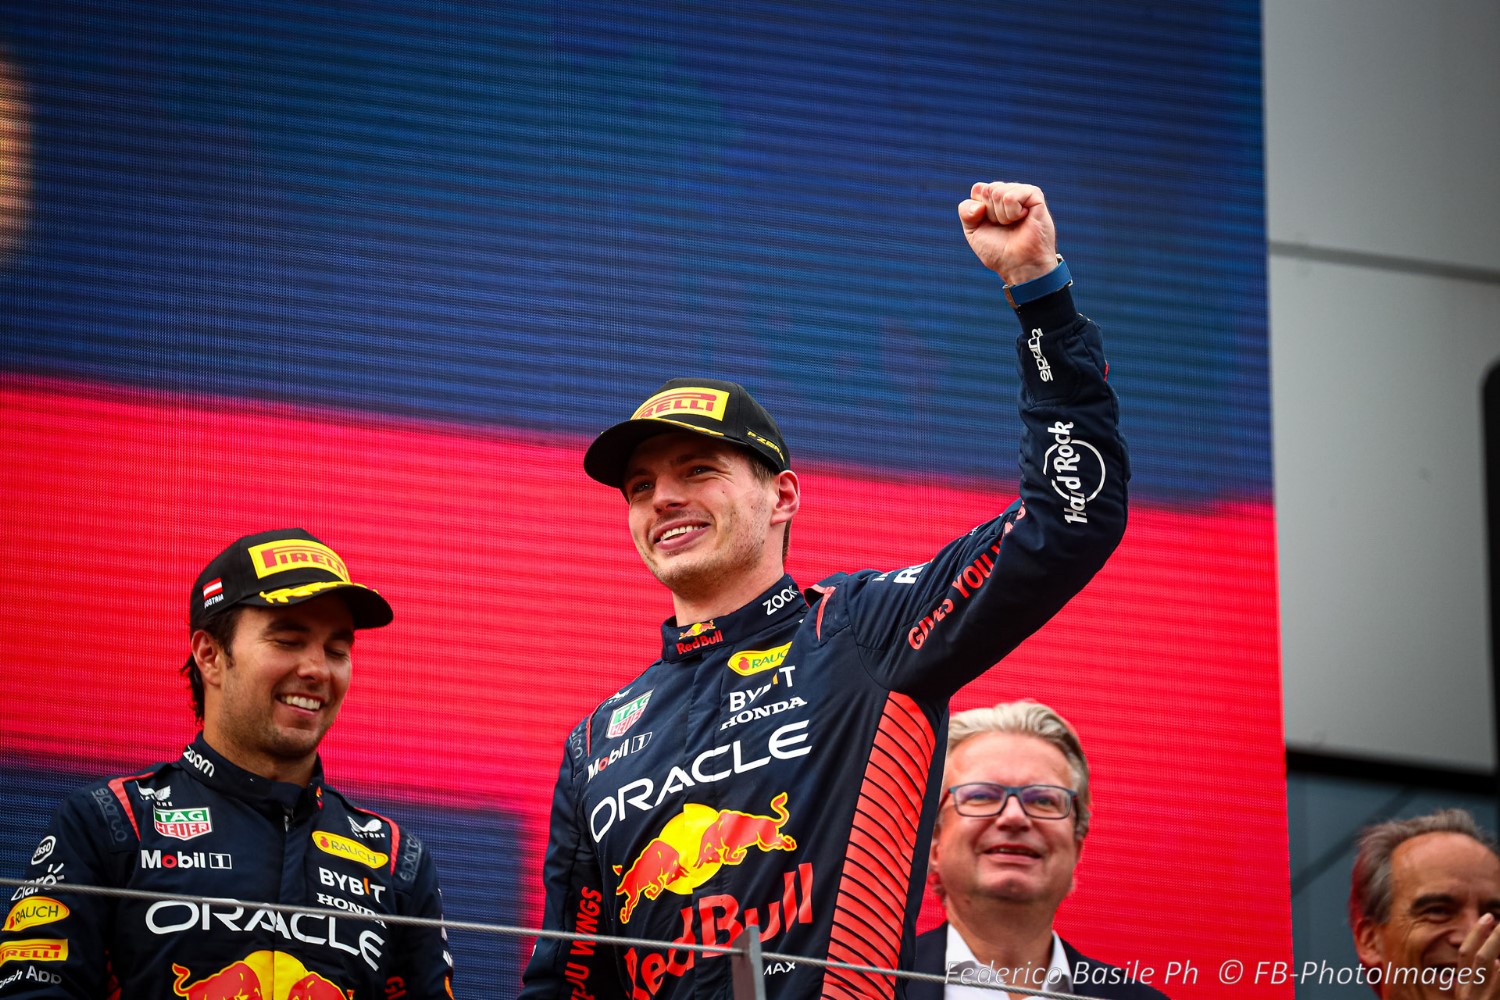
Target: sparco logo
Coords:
[[1044, 369], [1076, 471], [196, 759], [410, 858], [185, 859], [643, 795], [110, 810]]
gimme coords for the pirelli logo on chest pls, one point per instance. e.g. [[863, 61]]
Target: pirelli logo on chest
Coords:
[[34, 950], [686, 401]]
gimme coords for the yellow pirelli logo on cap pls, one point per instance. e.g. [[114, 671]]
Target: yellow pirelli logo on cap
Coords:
[[694, 400], [294, 553], [343, 847]]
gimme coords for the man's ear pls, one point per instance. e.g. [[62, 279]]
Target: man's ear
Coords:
[[212, 659], [1367, 943], [934, 879], [788, 497], [1073, 878]]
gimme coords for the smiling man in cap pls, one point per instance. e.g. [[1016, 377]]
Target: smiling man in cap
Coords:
[[243, 814], [775, 766]]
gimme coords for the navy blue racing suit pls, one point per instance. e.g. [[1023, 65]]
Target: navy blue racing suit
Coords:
[[200, 826], [775, 766]]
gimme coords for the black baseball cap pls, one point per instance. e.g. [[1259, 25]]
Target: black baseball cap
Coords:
[[707, 406], [273, 569]]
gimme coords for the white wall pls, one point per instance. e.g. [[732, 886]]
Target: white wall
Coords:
[[1383, 211]]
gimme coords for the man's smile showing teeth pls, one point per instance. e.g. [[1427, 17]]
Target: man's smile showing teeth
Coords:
[[677, 532], [300, 701], [1023, 852]]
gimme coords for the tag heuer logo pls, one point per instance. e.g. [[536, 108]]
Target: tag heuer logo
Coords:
[[183, 824], [624, 717]]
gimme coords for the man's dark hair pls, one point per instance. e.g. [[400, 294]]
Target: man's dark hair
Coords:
[[220, 627], [765, 472], [1370, 891]]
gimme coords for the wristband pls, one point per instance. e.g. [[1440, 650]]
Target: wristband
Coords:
[[1054, 280]]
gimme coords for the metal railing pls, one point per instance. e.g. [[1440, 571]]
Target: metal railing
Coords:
[[747, 959]]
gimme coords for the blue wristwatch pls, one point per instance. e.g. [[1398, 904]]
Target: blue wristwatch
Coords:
[[1029, 291]]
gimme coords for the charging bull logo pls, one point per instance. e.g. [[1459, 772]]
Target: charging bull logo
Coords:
[[694, 844], [261, 975], [729, 837], [658, 867]]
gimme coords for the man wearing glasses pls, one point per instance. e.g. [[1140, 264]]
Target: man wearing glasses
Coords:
[[1009, 832]]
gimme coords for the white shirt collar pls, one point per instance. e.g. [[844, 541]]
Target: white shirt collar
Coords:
[[1058, 978]]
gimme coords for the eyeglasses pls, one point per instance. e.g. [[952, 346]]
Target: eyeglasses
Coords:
[[984, 798]]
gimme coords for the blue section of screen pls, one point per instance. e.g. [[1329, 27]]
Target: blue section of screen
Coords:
[[477, 853], [529, 216]]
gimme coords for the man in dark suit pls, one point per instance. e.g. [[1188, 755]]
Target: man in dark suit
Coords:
[[1009, 832]]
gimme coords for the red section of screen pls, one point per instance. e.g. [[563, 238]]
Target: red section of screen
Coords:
[[520, 604]]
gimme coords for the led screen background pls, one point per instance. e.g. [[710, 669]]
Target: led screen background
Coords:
[[382, 270]]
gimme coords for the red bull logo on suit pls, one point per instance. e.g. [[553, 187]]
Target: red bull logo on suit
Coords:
[[261, 975], [720, 920], [694, 844]]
